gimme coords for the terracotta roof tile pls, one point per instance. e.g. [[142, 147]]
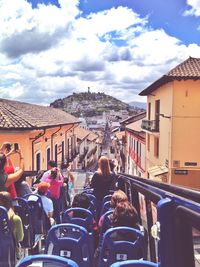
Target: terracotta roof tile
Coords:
[[83, 133], [15, 115], [188, 69]]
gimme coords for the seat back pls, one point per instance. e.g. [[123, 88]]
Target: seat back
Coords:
[[105, 207], [47, 261], [84, 218], [93, 204], [7, 243], [121, 243], [39, 219], [79, 216], [70, 241], [21, 208], [106, 223], [106, 198], [134, 263]]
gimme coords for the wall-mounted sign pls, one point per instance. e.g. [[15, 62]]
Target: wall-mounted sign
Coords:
[[190, 163], [181, 172]]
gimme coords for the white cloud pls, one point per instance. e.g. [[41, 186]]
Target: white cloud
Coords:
[[194, 9], [49, 52]]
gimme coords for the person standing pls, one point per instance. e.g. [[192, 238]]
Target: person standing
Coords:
[[7, 179], [102, 182]]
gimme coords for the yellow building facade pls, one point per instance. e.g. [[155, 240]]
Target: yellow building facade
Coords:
[[42, 133], [173, 125]]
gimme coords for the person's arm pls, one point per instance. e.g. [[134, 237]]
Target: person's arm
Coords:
[[15, 176], [71, 176], [50, 211]]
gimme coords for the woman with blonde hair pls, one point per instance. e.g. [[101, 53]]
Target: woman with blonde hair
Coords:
[[102, 181]]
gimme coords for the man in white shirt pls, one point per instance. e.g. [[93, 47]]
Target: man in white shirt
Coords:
[[51, 164]]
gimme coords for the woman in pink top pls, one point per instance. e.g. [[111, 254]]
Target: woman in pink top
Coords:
[[56, 180]]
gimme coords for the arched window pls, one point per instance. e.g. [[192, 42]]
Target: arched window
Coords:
[[48, 157], [56, 153], [38, 161]]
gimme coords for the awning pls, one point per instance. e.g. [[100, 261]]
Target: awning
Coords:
[[157, 170]]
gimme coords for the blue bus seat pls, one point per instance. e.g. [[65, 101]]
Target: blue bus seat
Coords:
[[21, 208], [93, 204], [106, 198], [7, 242], [79, 216], [106, 223], [134, 263], [121, 243], [47, 261], [92, 198], [105, 207], [39, 219], [82, 217], [70, 241]]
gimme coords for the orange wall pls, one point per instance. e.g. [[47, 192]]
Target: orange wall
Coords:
[[186, 122], [25, 139]]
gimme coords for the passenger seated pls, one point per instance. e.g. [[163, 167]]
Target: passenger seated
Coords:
[[17, 227], [82, 201], [124, 214], [118, 197], [47, 203]]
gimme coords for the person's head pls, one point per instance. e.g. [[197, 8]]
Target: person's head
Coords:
[[6, 200], [118, 197], [54, 173], [2, 160], [104, 166], [51, 164], [125, 215], [43, 188], [81, 201]]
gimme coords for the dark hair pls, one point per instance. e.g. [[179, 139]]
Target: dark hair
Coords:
[[2, 160], [125, 215], [52, 163], [54, 173], [81, 200]]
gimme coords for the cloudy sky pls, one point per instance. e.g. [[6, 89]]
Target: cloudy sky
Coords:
[[50, 49]]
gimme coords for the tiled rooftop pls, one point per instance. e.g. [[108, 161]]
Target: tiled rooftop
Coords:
[[20, 115], [83, 133], [188, 69]]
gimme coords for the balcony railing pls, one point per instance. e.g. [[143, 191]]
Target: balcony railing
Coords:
[[152, 126]]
